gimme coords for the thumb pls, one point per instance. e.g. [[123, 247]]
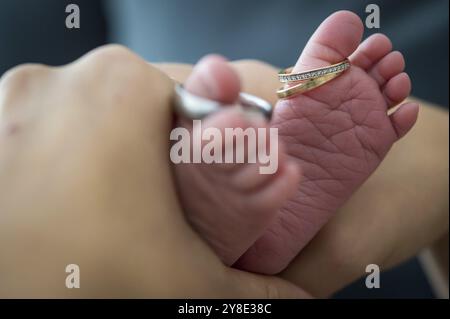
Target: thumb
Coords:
[[254, 286]]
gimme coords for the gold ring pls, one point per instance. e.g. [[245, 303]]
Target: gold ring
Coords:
[[284, 76], [306, 86]]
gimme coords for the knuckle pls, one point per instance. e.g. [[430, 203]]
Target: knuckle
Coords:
[[19, 80], [114, 62], [113, 55], [131, 71], [21, 75], [113, 51], [118, 76]]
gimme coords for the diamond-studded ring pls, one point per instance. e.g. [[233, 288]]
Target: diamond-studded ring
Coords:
[[285, 76], [306, 86]]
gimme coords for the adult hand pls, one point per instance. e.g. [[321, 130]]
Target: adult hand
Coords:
[[85, 179]]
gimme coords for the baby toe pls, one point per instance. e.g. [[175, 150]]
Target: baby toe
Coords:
[[388, 67], [397, 89], [334, 40], [371, 50]]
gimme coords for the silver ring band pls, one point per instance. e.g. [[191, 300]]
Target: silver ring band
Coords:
[[191, 106]]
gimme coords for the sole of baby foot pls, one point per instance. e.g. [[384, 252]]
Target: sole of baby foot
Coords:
[[338, 133]]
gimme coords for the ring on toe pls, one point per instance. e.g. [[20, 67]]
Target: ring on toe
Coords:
[[309, 80]]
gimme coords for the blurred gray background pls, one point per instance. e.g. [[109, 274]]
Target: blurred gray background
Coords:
[[273, 31]]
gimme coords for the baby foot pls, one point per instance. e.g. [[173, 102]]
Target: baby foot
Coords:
[[338, 133], [230, 205]]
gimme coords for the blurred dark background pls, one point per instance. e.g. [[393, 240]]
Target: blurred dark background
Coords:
[[183, 31], [273, 31]]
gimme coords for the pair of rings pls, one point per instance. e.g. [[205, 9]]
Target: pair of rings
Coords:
[[193, 106], [308, 80]]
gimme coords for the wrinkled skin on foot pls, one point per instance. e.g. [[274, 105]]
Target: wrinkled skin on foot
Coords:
[[338, 133], [339, 140]]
